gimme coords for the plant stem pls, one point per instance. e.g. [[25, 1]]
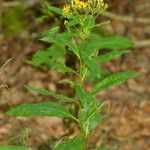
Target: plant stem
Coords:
[[81, 79]]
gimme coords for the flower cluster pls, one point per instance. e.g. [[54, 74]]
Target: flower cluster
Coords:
[[85, 6], [79, 5]]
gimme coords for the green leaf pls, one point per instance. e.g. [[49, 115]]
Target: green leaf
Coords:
[[39, 58], [66, 39], [91, 64], [85, 98], [111, 55], [115, 42], [49, 36], [89, 116], [73, 21], [104, 73], [46, 14], [60, 67], [114, 79], [57, 38], [71, 144], [62, 39], [47, 93], [52, 32], [53, 36], [47, 109], [45, 57], [52, 58], [55, 9], [14, 148], [91, 44]]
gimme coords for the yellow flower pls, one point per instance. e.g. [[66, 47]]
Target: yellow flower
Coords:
[[78, 4], [85, 6], [66, 8], [97, 5]]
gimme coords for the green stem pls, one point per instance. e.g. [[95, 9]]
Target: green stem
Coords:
[[75, 119], [81, 77], [76, 48]]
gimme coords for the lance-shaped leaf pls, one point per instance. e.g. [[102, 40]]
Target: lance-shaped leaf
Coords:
[[91, 64], [66, 39], [60, 67], [61, 39], [52, 55], [47, 93], [14, 148], [52, 58], [73, 21], [51, 35], [114, 79], [89, 116], [71, 144], [47, 109], [91, 44], [84, 97], [111, 55], [115, 42], [52, 32], [47, 62], [55, 9]]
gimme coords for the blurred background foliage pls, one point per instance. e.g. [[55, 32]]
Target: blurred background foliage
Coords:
[[12, 21]]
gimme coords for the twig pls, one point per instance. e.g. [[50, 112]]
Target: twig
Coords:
[[129, 19], [2, 68], [11, 4], [142, 44], [26, 3], [143, 7]]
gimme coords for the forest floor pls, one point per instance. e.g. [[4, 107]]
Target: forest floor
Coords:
[[127, 125]]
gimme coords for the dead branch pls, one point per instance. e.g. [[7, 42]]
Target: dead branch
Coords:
[[11, 4], [129, 19], [143, 7], [142, 44], [26, 3]]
